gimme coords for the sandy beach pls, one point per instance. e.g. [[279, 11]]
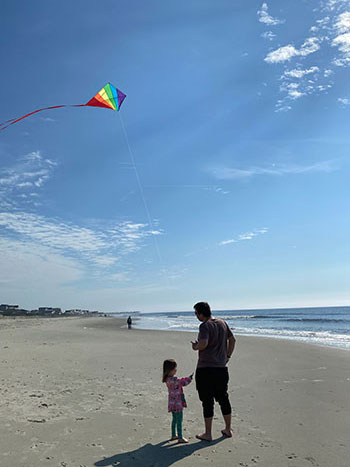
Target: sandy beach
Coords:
[[85, 392]]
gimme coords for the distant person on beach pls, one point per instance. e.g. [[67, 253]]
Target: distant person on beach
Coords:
[[176, 399], [129, 321], [215, 345]]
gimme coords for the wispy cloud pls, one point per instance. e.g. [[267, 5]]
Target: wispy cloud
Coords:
[[300, 73], [264, 17], [330, 29], [342, 38], [285, 53], [344, 100], [101, 247], [269, 35], [233, 173], [245, 236], [292, 90], [25, 177]]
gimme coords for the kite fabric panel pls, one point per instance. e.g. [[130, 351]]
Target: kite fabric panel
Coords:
[[109, 98]]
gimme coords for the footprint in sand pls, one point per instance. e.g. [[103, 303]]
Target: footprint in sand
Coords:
[[312, 460]]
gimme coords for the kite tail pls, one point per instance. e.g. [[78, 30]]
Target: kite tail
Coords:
[[143, 196], [8, 123]]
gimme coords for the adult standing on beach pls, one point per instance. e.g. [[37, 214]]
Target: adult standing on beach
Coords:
[[215, 345]]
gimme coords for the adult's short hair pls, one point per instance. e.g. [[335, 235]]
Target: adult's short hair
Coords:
[[203, 308]]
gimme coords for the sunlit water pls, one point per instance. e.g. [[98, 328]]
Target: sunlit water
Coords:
[[324, 326]]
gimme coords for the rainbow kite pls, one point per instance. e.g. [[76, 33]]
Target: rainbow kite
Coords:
[[109, 98]]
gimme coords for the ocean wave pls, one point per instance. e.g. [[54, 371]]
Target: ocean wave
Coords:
[[183, 326], [320, 337], [229, 318], [317, 320], [251, 324]]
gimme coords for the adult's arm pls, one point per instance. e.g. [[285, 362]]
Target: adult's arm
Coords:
[[203, 338], [231, 342], [200, 345]]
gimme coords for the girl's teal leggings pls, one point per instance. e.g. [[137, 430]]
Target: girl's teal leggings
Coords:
[[176, 424]]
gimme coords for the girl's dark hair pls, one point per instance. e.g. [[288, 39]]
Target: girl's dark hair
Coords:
[[168, 366], [203, 308]]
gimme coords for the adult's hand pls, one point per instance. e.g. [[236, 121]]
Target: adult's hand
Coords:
[[194, 345]]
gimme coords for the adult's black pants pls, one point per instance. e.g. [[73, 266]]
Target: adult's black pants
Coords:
[[212, 384]]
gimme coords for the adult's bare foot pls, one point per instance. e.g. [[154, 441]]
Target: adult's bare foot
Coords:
[[227, 433], [204, 437]]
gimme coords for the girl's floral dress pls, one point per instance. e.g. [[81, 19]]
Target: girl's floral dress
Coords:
[[177, 401]]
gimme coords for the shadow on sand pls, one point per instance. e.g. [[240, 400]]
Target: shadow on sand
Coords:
[[156, 455]]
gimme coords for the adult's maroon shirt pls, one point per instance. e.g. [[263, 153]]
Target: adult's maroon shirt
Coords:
[[217, 332]]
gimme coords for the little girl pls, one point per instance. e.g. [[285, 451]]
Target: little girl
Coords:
[[176, 401]]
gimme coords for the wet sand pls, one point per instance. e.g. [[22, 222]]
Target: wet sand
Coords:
[[87, 392]]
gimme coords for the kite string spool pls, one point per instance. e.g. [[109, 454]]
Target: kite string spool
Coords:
[[132, 158]]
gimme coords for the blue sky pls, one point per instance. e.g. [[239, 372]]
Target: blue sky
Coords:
[[237, 114]]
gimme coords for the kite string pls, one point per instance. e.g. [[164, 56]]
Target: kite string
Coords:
[[132, 158]]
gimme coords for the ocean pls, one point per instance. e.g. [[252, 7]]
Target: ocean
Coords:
[[324, 326]]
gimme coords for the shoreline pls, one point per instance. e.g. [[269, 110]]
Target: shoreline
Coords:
[[122, 324], [285, 339], [246, 336], [327, 326]]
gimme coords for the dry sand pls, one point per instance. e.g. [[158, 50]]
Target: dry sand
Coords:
[[85, 392]]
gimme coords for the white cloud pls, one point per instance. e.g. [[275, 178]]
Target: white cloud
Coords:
[[333, 3], [300, 73], [344, 100], [229, 173], [292, 90], [89, 249], [341, 61], [244, 236], [287, 52], [332, 29], [269, 35], [342, 42], [328, 72], [265, 18], [281, 54], [342, 38], [310, 46], [30, 171], [342, 23], [294, 94], [283, 108], [101, 247]]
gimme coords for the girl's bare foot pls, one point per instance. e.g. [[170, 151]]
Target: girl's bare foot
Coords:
[[204, 437], [174, 437], [182, 440], [227, 433]]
